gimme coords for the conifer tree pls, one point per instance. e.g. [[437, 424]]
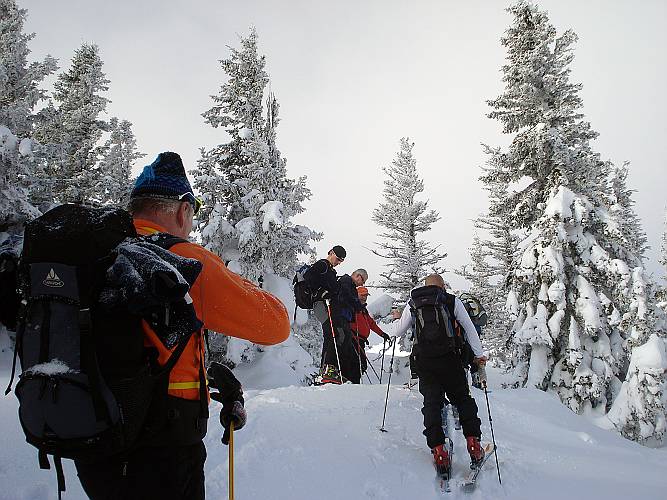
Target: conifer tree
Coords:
[[639, 410], [404, 219], [78, 94], [112, 184], [497, 247], [486, 287], [19, 94], [626, 227], [249, 200], [579, 304]]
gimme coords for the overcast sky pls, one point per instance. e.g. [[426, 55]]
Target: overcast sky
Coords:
[[353, 77]]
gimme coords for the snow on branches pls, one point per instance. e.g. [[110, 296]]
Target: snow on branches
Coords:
[[404, 219], [578, 292], [249, 200]]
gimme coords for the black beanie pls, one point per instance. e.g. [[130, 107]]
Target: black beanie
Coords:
[[339, 251]]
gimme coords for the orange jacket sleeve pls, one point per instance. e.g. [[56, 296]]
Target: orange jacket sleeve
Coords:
[[231, 305]]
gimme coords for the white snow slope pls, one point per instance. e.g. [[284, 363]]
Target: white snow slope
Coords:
[[324, 443]]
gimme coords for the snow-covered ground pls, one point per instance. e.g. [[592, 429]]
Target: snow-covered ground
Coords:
[[325, 443]]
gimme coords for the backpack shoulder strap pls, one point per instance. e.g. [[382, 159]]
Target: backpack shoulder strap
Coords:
[[450, 303], [163, 240]]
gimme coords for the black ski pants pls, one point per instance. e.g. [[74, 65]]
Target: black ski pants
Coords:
[[164, 473], [349, 362], [440, 377]]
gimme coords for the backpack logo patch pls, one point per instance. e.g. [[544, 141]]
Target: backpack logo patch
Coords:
[[52, 280]]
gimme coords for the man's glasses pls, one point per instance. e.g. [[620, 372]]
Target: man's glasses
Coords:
[[193, 200]]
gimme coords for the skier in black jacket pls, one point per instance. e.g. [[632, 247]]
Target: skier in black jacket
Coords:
[[442, 374], [321, 277]]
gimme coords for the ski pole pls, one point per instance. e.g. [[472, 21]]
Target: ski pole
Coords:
[[361, 372], [368, 362], [493, 438], [391, 366], [384, 343], [231, 461], [333, 334]]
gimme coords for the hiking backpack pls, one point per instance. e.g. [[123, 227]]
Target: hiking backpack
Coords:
[[434, 331], [475, 310], [88, 388], [304, 294]]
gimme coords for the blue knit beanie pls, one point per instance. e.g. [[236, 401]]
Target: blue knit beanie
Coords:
[[164, 178]]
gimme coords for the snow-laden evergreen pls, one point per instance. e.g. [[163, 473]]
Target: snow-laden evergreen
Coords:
[[111, 182], [20, 80], [639, 410], [76, 127], [489, 291], [404, 219], [249, 202], [578, 292], [491, 259], [20, 93], [625, 225]]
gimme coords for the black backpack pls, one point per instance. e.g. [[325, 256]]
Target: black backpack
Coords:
[[88, 388], [434, 331], [475, 310], [304, 295]]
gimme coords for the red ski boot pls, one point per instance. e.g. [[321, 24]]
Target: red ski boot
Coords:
[[441, 459], [476, 451]]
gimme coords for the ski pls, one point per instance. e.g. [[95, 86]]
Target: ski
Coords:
[[471, 479], [457, 421], [444, 477]]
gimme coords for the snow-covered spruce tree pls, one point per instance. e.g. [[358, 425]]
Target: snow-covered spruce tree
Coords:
[[79, 127], [111, 180], [625, 226], [404, 219], [495, 251], [639, 410], [485, 286], [19, 94], [249, 200], [479, 272], [567, 279]]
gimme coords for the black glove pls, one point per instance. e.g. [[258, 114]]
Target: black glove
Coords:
[[230, 395], [386, 337]]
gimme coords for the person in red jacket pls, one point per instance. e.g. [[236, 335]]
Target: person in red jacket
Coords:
[[171, 465], [362, 325]]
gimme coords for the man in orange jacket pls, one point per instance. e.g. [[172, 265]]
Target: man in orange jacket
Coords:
[[171, 464]]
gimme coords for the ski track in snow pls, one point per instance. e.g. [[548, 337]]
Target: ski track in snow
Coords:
[[324, 443]]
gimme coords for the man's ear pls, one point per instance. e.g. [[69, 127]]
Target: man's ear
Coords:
[[182, 214]]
